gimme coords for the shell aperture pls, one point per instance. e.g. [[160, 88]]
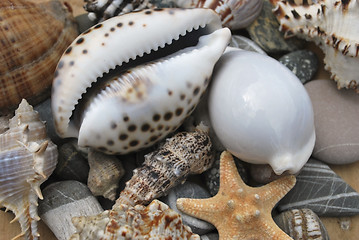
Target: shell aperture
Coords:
[[134, 95]]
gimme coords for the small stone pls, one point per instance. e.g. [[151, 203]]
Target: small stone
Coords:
[[336, 115], [210, 236], [263, 173], [189, 190], [320, 189], [71, 164], [212, 174], [303, 63], [64, 200], [244, 43], [265, 32]]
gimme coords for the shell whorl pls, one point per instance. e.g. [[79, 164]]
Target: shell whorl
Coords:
[[27, 159], [184, 154]]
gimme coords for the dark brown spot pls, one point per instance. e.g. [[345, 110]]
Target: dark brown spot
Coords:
[[168, 116], [87, 31], [156, 117], [130, 23], [158, 9], [308, 16], [126, 118], [132, 128], [123, 137], [170, 93], [106, 34], [119, 24], [134, 143], [167, 128], [153, 138], [196, 91], [182, 96], [56, 74], [80, 40], [148, 12], [103, 149], [160, 127], [112, 29], [110, 142], [68, 50], [72, 63], [145, 127], [295, 14], [60, 65], [179, 111], [98, 26], [113, 125], [84, 51]]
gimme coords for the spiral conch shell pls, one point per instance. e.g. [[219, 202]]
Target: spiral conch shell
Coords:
[[27, 159], [156, 221], [145, 103], [183, 154], [33, 37], [333, 26]]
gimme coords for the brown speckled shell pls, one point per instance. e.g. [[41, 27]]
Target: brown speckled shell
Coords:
[[184, 154], [32, 40]]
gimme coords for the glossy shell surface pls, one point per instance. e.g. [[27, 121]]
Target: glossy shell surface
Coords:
[[33, 38], [27, 159], [261, 112], [146, 102], [332, 25]]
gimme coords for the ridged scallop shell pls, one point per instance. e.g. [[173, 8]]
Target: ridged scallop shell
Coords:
[[27, 159], [105, 174], [332, 25], [181, 155], [235, 14], [32, 37], [145, 103], [156, 221], [105, 9], [302, 224]]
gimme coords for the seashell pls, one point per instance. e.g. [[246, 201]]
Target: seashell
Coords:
[[103, 10], [235, 14], [105, 174], [156, 221], [183, 154], [146, 102], [328, 23], [40, 33], [261, 112], [27, 159], [302, 224]]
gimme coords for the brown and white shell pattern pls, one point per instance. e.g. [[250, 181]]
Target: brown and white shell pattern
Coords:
[[235, 14], [302, 224], [332, 25], [181, 155], [32, 39], [27, 159], [104, 175], [156, 221]]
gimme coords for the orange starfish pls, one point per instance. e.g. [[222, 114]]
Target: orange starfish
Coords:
[[239, 211]]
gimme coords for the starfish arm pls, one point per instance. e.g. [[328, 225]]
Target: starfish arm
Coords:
[[273, 232], [205, 209], [229, 175], [276, 190]]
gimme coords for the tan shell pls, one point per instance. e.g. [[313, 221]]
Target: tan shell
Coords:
[[27, 159], [33, 38], [184, 154], [105, 174], [156, 221]]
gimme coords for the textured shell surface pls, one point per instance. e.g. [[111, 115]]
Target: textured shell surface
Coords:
[[261, 112], [331, 24], [235, 14], [302, 224], [40, 33], [156, 221], [27, 159], [146, 102], [183, 154], [105, 174]]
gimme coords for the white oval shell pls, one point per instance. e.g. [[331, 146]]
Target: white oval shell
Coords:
[[261, 111]]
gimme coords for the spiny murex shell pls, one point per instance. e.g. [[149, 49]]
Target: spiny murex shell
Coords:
[[333, 26], [149, 101], [33, 38], [27, 159], [181, 155], [156, 221]]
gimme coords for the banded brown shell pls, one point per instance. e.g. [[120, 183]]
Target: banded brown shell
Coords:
[[27, 159], [32, 39]]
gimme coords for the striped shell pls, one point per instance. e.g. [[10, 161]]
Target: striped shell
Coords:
[[332, 25], [32, 37], [143, 104], [302, 224], [27, 159], [156, 221], [181, 155]]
